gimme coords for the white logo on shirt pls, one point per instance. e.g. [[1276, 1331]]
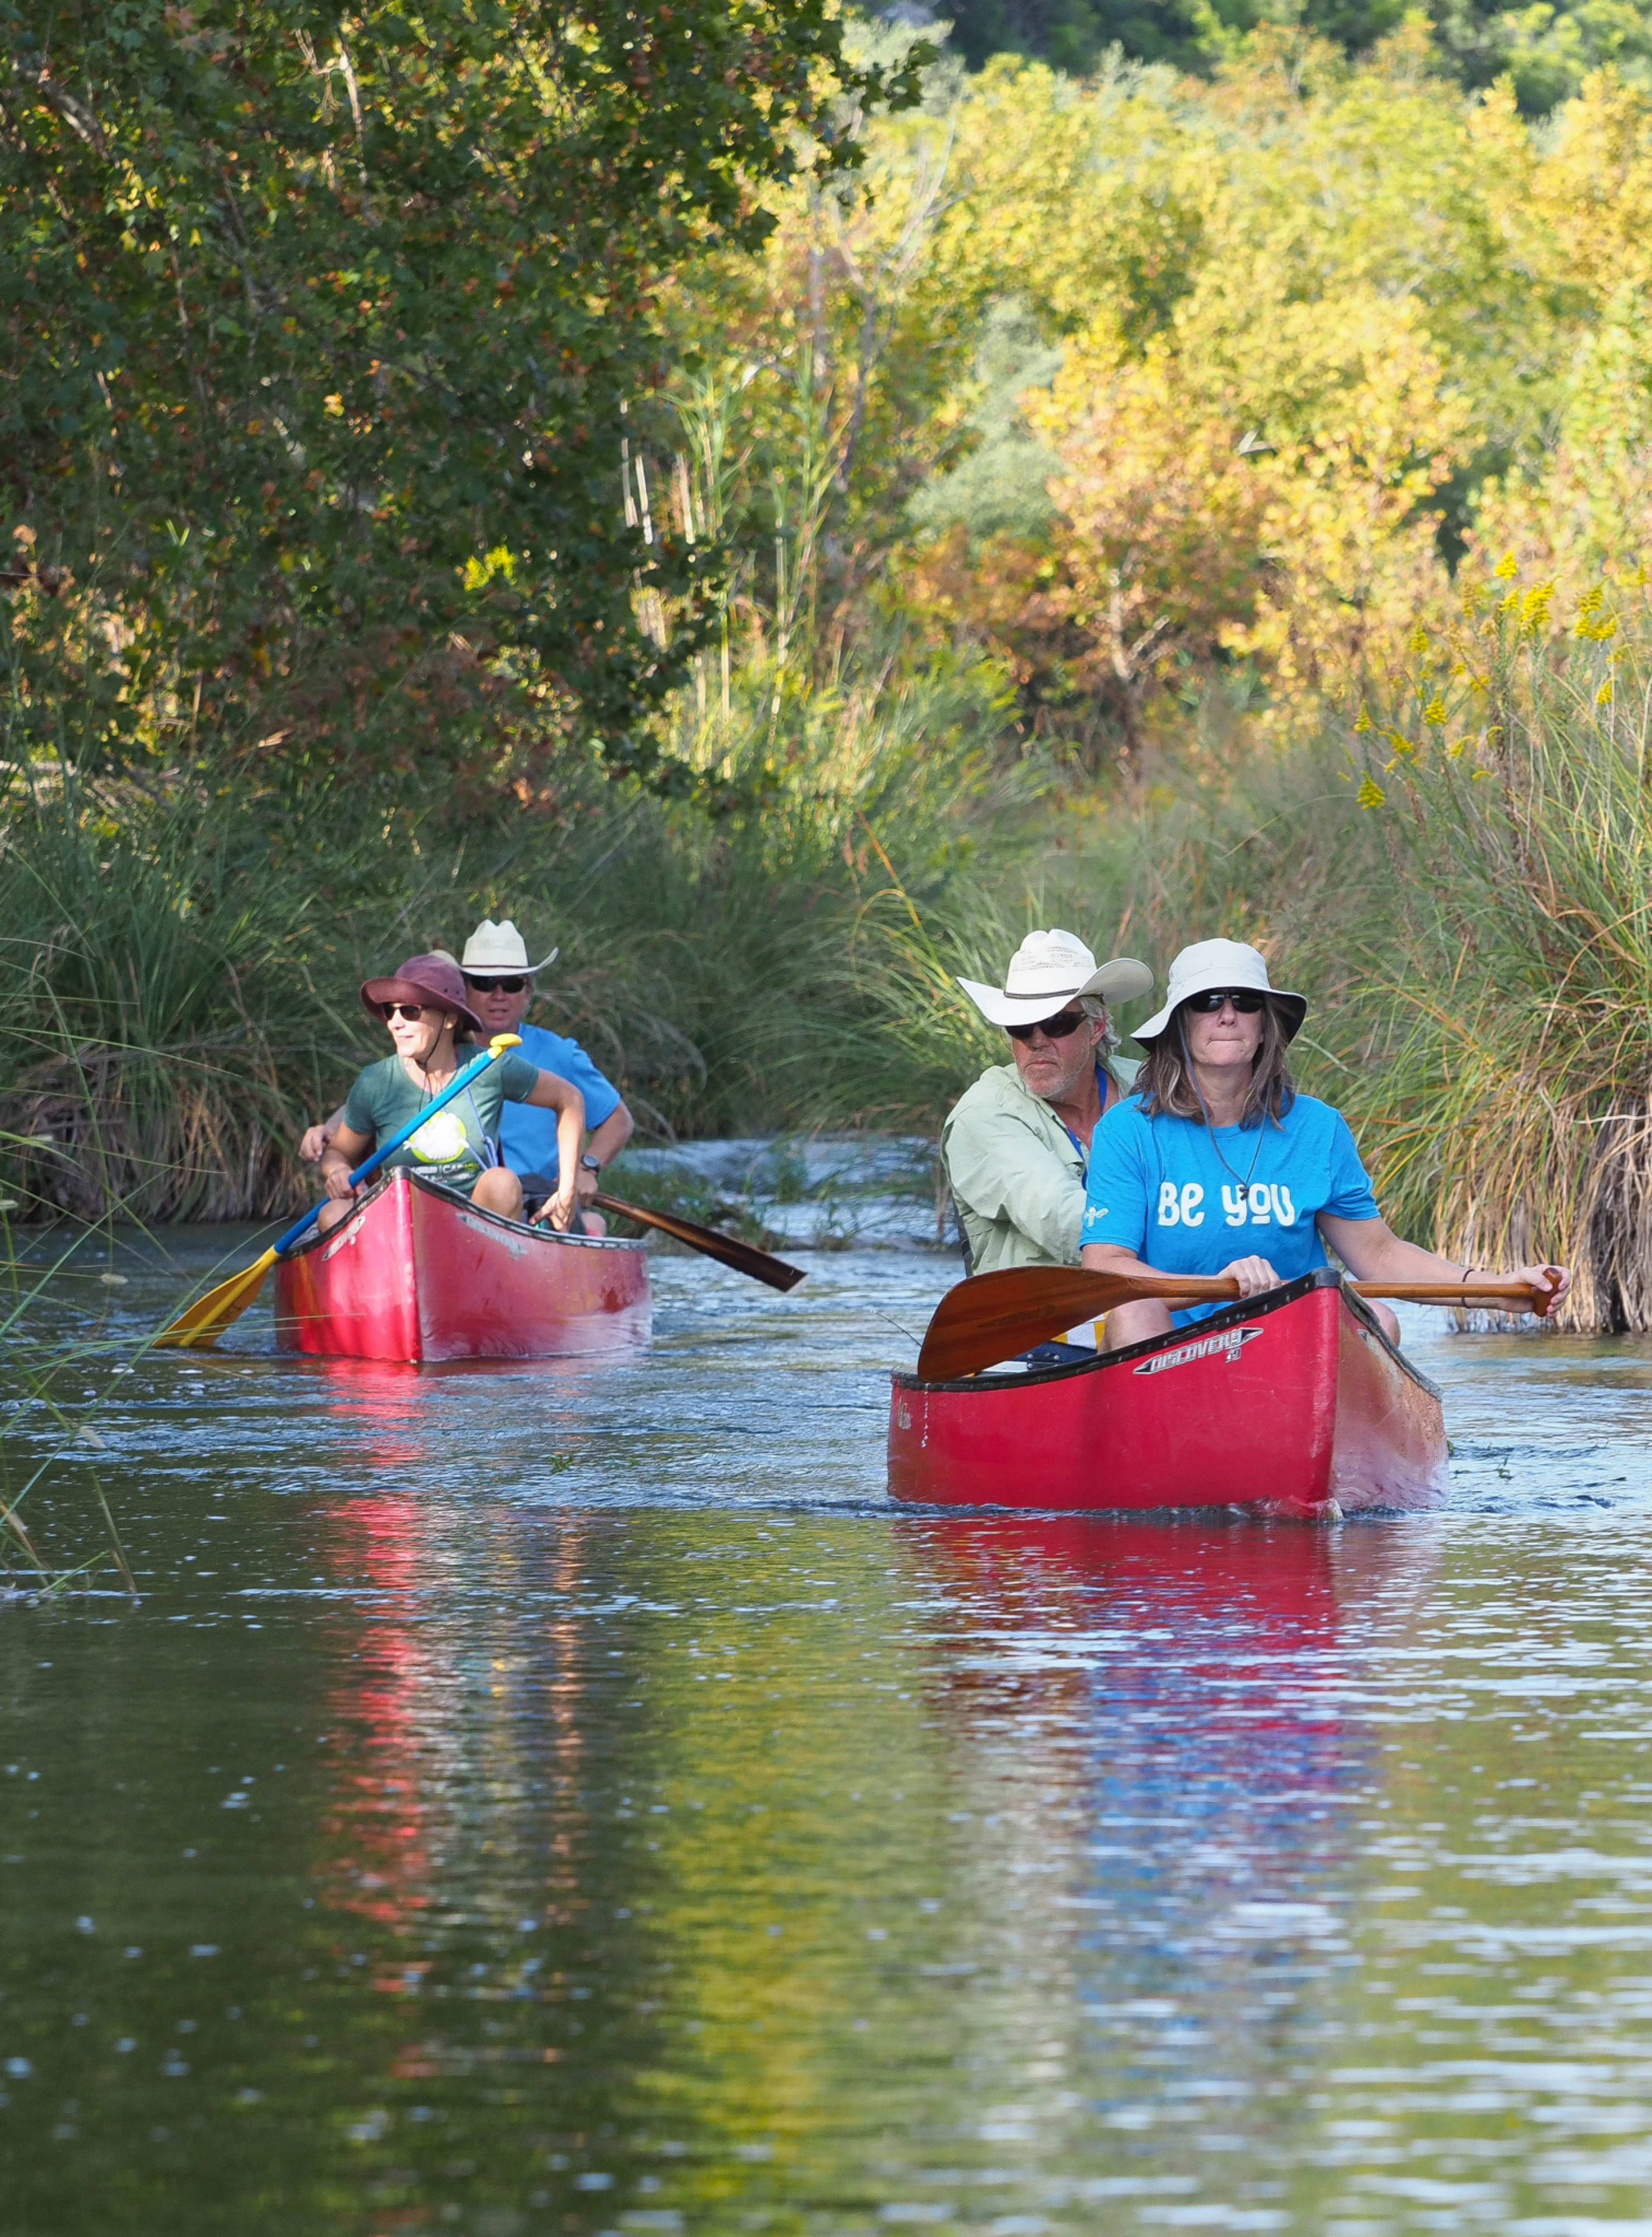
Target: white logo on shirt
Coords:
[[1259, 1205], [439, 1140], [1263, 1202], [1179, 1207]]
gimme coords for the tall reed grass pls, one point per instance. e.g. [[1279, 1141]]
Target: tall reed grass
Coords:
[[179, 983], [1510, 776], [158, 1019]]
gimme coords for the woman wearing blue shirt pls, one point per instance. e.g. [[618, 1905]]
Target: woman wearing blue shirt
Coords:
[[1217, 1165]]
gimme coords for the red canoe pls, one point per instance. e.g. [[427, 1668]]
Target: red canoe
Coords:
[[419, 1272], [1293, 1402]]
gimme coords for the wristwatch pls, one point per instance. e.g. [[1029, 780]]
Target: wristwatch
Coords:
[[590, 1164]]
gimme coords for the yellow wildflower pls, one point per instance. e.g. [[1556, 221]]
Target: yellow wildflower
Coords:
[[1604, 697], [1507, 566], [1362, 721], [1371, 794], [1435, 710]]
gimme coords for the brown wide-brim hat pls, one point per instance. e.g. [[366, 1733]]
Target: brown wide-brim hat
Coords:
[[433, 981]]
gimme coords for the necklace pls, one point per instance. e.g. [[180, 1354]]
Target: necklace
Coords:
[[1244, 1186], [1210, 1125]]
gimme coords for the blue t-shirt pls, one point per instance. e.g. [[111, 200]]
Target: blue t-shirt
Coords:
[[528, 1134], [1158, 1187]]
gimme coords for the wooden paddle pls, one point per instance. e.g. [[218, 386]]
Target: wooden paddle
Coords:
[[994, 1316], [740, 1256], [205, 1320]]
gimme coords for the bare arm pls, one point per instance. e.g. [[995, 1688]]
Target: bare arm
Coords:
[[551, 1092], [1373, 1253], [1253, 1274], [606, 1141], [341, 1157], [611, 1137], [313, 1141]]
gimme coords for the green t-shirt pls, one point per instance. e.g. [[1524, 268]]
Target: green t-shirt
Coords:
[[451, 1146]]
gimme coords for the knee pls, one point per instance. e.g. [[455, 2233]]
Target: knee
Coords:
[[1388, 1320], [498, 1190], [1137, 1323], [335, 1208]]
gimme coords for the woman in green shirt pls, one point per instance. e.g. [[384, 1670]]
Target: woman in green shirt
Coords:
[[423, 1006]]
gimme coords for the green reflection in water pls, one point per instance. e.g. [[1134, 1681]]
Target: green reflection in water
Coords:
[[416, 1856]]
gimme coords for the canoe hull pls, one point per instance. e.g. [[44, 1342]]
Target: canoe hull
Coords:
[[1291, 1403], [417, 1272]]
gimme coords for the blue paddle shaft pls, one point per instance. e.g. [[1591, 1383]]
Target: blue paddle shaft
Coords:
[[368, 1166]]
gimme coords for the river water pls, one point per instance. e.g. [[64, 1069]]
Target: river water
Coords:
[[569, 1798]]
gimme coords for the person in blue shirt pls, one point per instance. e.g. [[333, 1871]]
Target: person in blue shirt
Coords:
[[499, 980], [1217, 1165], [499, 983]]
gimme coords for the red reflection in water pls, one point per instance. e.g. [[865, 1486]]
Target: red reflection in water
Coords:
[[1185, 1677], [441, 1783]]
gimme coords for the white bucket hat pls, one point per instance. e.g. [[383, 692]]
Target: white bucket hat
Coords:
[[1209, 964], [1050, 969], [499, 948]]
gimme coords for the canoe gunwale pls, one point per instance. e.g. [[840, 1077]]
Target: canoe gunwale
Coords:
[[1244, 1308], [317, 1238]]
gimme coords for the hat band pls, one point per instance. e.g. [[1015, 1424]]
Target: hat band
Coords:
[[1009, 994]]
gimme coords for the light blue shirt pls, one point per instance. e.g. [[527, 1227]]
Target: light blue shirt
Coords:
[[1189, 1199], [527, 1133]]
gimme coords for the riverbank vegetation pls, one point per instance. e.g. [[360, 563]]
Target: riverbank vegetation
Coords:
[[1158, 502]]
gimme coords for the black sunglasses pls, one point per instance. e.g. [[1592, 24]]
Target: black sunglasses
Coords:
[[410, 1010], [1242, 998], [1053, 1029], [495, 986]]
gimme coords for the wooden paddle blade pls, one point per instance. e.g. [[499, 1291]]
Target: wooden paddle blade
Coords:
[[993, 1317], [761, 1265], [205, 1320]]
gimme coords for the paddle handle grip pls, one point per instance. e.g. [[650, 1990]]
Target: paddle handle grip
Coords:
[[1490, 1295], [370, 1165]]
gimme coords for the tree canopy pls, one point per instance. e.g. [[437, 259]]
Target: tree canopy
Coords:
[[331, 344], [1545, 51]]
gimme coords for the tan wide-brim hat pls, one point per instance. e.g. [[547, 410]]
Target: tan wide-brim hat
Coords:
[[1050, 970], [1209, 964], [499, 948], [433, 981]]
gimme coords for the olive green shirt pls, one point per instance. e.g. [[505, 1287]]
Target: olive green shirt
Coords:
[[1015, 1173]]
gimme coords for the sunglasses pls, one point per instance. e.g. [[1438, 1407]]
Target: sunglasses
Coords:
[[410, 1012], [1053, 1029], [495, 986], [1242, 999]]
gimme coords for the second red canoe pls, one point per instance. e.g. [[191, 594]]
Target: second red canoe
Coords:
[[418, 1272]]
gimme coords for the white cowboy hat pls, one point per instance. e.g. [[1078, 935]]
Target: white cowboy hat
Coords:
[[499, 948], [1209, 964], [1049, 970]]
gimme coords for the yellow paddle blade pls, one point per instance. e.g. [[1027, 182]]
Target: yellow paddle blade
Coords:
[[205, 1320]]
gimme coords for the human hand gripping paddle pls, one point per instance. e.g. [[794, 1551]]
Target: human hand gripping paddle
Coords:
[[204, 1322], [994, 1316]]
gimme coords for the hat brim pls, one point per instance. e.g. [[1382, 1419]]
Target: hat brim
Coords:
[[473, 968], [1292, 1008], [1121, 978], [375, 991]]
